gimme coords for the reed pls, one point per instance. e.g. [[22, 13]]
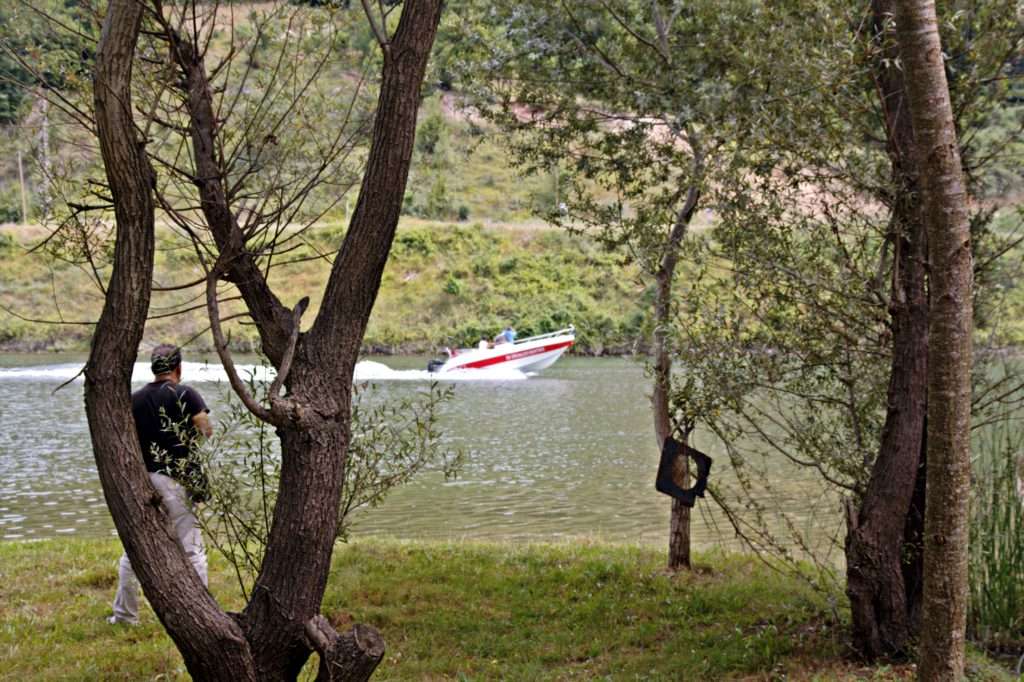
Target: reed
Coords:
[[996, 614]]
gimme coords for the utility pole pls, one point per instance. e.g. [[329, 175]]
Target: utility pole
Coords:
[[24, 198], [47, 163]]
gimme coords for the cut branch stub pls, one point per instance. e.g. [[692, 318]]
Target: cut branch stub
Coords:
[[352, 656]]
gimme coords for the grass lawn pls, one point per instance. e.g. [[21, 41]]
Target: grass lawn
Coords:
[[464, 611]]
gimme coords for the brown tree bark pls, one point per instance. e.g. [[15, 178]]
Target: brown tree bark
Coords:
[[279, 628], [273, 320], [679, 523], [945, 200], [883, 552], [314, 448], [210, 642], [351, 657]]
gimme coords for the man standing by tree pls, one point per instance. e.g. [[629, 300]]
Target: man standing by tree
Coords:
[[170, 418]]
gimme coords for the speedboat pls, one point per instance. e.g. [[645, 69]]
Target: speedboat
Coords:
[[526, 355]]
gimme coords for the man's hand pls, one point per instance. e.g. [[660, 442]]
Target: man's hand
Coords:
[[202, 423]]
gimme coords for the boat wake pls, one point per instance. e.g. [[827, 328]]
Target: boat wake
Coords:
[[368, 370], [201, 372]]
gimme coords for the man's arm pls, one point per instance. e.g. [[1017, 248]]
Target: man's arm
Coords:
[[202, 423]]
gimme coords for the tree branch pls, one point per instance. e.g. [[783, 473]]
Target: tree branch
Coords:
[[378, 31], [221, 345]]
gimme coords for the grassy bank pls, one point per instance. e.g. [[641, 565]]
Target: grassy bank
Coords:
[[446, 283], [464, 611]]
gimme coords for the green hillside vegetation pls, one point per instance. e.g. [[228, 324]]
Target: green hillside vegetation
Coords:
[[445, 284], [472, 255], [469, 258]]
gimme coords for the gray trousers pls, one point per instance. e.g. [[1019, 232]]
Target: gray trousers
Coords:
[[186, 528]]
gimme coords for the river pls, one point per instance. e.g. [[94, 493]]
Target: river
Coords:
[[567, 453]]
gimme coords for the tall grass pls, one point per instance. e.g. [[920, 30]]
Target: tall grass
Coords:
[[996, 614]]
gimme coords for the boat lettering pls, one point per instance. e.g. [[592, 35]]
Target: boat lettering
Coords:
[[525, 353]]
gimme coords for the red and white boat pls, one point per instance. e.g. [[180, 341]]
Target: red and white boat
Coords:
[[526, 355]]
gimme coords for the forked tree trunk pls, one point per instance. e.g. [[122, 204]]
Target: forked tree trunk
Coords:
[[274, 636], [944, 615], [883, 550]]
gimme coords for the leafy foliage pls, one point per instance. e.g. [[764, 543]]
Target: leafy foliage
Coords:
[[47, 44], [996, 560], [392, 441], [798, 332], [780, 328]]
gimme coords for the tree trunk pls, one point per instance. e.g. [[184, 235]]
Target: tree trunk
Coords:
[[45, 160], [313, 455], [273, 320], [210, 642], [882, 567], [679, 523], [289, 590], [273, 637], [944, 614]]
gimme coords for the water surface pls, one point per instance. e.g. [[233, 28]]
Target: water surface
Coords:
[[566, 453]]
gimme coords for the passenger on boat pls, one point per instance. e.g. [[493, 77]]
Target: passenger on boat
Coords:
[[507, 336]]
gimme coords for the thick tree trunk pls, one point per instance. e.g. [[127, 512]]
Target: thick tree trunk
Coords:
[[882, 567], [944, 195], [679, 523], [273, 637], [210, 642], [289, 589], [314, 453]]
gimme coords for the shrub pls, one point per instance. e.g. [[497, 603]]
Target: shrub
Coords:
[[414, 242], [996, 562], [438, 205], [393, 440], [430, 134], [453, 285]]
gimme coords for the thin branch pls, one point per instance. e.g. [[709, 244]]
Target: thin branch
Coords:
[[378, 32], [11, 312], [221, 345]]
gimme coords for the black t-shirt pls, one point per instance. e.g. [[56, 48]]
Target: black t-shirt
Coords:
[[163, 419]]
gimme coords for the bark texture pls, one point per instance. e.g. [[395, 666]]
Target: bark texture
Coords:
[[679, 523], [950, 325], [273, 637], [352, 657], [210, 642], [883, 550], [314, 449]]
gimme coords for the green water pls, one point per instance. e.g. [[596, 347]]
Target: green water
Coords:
[[567, 453]]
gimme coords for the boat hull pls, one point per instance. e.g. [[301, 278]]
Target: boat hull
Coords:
[[526, 356]]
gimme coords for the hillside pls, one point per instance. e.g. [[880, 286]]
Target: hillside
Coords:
[[445, 284], [471, 255]]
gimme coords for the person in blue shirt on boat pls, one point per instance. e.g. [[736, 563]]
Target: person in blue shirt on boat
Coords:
[[507, 336]]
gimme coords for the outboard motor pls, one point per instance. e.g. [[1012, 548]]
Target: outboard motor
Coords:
[[435, 365]]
